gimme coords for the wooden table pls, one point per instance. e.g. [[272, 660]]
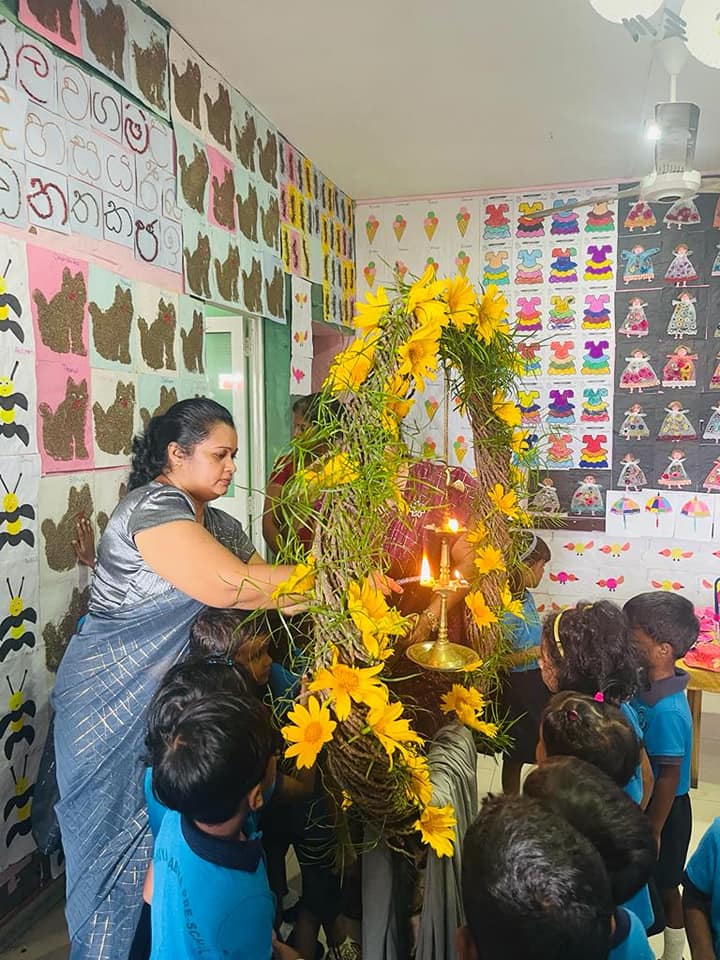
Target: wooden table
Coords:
[[700, 680]]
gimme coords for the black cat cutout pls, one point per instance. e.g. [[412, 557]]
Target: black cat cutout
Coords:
[[9, 305], [21, 804], [18, 709], [13, 633], [11, 515], [9, 399]]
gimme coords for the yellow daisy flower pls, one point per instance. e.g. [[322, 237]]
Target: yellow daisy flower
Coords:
[[510, 604], [350, 368], [506, 410], [424, 290], [375, 620], [334, 472], [419, 789], [488, 729], [504, 500], [310, 728], [519, 442], [300, 581], [392, 730], [461, 302], [347, 685], [489, 560], [459, 696], [478, 534], [481, 612], [418, 355], [437, 829], [368, 315]]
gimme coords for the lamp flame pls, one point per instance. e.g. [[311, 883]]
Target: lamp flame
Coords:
[[425, 575], [453, 525]]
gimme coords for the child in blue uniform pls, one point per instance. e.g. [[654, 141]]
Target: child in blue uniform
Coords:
[[532, 886], [701, 896], [523, 693], [595, 806], [665, 626]]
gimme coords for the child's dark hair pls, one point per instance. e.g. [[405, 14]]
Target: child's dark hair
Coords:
[[532, 886], [577, 725], [599, 810], [535, 551], [219, 633], [666, 618], [216, 750], [591, 650], [184, 683], [186, 423]]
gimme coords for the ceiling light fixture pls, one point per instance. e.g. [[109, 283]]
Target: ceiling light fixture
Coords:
[[703, 30], [616, 11]]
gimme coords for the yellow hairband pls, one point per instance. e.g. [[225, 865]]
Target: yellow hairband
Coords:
[[556, 635]]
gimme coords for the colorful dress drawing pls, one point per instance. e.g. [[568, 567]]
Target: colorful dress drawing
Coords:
[[675, 474], [545, 498], [640, 216], [679, 371], [531, 365], [682, 213], [633, 426], [635, 323], [683, 322], [528, 224], [676, 425], [681, 271], [593, 453], [596, 315], [588, 498], [598, 265], [712, 430], [712, 480], [497, 224], [495, 270], [596, 361], [715, 378], [638, 374], [632, 476], [638, 263], [559, 452], [600, 219], [595, 405], [529, 408], [529, 266], [564, 224], [561, 412], [528, 316], [562, 363], [563, 269], [562, 315]]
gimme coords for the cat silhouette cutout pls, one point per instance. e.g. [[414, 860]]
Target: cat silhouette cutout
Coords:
[[186, 90], [59, 551], [245, 142], [219, 113], [63, 430], [270, 222], [60, 319], [268, 158], [192, 345], [57, 636], [114, 426], [226, 274], [223, 195], [197, 267], [151, 71], [54, 15], [157, 341], [111, 327], [248, 214], [252, 288], [168, 396], [275, 294], [105, 30], [193, 178]]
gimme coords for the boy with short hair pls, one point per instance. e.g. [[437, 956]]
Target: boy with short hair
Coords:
[[532, 887], [211, 761], [665, 626]]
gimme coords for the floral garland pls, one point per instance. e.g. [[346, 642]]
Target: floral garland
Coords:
[[373, 759]]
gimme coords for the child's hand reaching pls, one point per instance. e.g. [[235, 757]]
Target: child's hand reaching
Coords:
[[84, 546]]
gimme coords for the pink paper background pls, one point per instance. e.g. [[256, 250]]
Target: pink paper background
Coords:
[[218, 165], [45, 270], [51, 384], [29, 19]]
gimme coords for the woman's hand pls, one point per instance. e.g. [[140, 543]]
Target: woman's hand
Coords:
[[385, 584], [84, 546]]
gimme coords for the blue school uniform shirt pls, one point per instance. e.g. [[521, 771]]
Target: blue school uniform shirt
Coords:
[[525, 633], [640, 904], [211, 896], [703, 872], [666, 723], [629, 942]]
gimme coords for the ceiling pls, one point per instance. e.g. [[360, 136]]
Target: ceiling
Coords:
[[404, 97]]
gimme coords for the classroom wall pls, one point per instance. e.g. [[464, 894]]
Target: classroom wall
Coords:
[[136, 186]]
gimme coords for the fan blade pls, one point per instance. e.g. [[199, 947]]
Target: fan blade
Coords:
[[710, 185], [627, 192]]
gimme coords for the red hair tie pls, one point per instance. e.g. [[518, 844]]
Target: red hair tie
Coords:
[[599, 697]]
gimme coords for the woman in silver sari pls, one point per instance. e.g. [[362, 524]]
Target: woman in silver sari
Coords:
[[164, 556]]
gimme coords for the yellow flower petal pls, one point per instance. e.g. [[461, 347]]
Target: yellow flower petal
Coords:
[[391, 728], [437, 829], [478, 534], [300, 581], [481, 612], [506, 410], [511, 604], [504, 500], [462, 302], [459, 696], [310, 728], [375, 620], [489, 560], [369, 314], [346, 685], [419, 789], [418, 356], [350, 368]]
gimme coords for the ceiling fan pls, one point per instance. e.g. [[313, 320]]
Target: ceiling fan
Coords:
[[674, 176]]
